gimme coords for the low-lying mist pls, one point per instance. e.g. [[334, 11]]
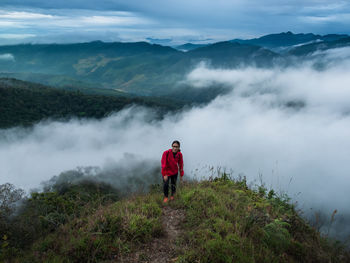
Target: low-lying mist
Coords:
[[289, 125], [128, 175]]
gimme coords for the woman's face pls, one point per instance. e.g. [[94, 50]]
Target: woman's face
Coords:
[[175, 147]]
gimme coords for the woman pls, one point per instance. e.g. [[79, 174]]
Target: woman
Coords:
[[171, 163]]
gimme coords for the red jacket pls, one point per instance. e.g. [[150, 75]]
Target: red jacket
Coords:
[[171, 165]]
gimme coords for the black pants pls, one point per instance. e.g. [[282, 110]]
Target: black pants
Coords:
[[173, 179]]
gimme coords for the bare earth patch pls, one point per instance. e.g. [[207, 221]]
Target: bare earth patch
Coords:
[[163, 249]]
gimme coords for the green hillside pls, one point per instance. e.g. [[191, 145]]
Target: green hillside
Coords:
[[106, 65], [189, 46], [25, 103], [215, 220], [232, 54]]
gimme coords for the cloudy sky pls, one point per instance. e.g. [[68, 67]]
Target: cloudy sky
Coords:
[[166, 21]]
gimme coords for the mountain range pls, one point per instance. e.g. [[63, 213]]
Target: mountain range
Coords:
[[288, 40], [148, 69]]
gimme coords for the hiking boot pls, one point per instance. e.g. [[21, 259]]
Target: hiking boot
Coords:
[[165, 200], [171, 198]]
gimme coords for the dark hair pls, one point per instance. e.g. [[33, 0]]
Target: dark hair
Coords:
[[176, 142]]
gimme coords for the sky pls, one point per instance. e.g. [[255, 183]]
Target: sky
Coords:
[[167, 22]]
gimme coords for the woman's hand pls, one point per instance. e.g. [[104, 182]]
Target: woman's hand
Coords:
[[165, 178]]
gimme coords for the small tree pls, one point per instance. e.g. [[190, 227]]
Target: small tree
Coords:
[[9, 196]]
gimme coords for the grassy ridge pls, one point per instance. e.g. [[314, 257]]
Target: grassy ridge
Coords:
[[225, 222], [228, 222]]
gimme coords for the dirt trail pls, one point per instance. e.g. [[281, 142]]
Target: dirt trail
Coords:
[[163, 249]]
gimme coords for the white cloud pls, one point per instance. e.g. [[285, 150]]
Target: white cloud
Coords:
[[11, 24], [326, 18], [103, 20], [16, 36], [326, 90], [7, 57], [326, 6], [334, 55], [70, 19], [23, 15]]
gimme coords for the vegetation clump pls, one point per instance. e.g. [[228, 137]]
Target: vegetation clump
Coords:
[[226, 221], [24, 220]]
